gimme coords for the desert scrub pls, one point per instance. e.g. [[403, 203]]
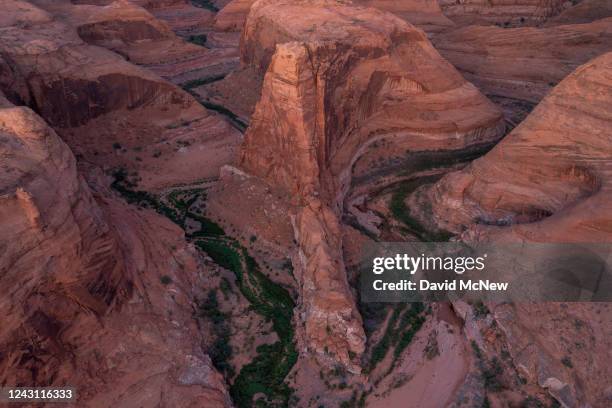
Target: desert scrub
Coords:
[[206, 4], [405, 321], [267, 372], [491, 370], [194, 83], [567, 362], [220, 351], [480, 310], [189, 86], [199, 39], [427, 160], [432, 349]]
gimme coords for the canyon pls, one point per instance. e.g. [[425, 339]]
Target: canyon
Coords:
[[187, 189]]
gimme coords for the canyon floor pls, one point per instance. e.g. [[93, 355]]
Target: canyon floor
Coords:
[[187, 189]]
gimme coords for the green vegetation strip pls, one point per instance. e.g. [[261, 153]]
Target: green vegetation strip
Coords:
[[266, 373], [402, 213], [404, 323], [233, 118]]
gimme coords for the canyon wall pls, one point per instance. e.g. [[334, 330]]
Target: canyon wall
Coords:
[[82, 297], [502, 12], [110, 111], [559, 162], [523, 63], [336, 80], [547, 181], [69, 82]]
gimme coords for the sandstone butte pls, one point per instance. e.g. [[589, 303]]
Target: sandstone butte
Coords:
[[82, 298], [547, 181], [336, 81], [425, 14]]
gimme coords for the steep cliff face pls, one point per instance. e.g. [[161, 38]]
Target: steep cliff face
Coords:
[[337, 82], [503, 12], [338, 79], [523, 63], [233, 15], [548, 173], [332, 327], [46, 207], [70, 82], [547, 181], [82, 297], [111, 112]]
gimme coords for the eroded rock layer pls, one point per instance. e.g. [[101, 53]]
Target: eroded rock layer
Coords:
[[233, 15], [548, 172], [523, 63], [502, 12], [336, 80], [82, 297], [109, 111], [547, 181], [70, 82]]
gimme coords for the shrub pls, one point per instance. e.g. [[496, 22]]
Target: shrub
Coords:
[[567, 362]]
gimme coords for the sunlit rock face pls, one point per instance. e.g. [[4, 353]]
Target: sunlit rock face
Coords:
[[82, 295], [503, 12], [233, 15], [523, 64], [338, 78], [341, 77], [547, 181], [548, 178]]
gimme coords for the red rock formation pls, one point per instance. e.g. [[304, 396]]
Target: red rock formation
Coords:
[[585, 11], [104, 105], [425, 14], [547, 181], [558, 162], [503, 12], [233, 16], [337, 79], [332, 325], [82, 298], [120, 23], [143, 39], [523, 63], [69, 82]]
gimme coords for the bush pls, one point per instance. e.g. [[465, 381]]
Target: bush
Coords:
[[199, 39], [567, 362]]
